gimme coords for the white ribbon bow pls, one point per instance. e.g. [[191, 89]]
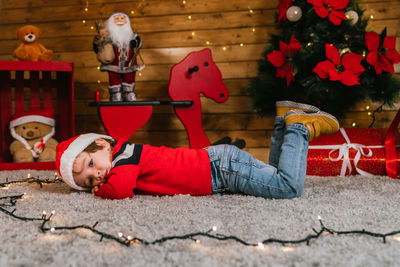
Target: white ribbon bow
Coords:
[[344, 149]]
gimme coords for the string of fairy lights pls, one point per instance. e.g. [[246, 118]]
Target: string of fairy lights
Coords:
[[350, 15], [8, 207], [190, 17]]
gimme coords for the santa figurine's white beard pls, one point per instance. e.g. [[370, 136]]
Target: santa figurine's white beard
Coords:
[[120, 35]]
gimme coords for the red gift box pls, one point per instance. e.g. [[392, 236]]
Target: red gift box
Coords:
[[348, 152]]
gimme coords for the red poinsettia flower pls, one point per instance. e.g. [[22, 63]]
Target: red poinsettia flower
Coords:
[[331, 8], [283, 7], [345, 69], [282, 59], [382, 58]]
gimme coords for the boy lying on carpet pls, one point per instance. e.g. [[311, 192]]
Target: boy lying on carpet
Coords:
[[118, 169]]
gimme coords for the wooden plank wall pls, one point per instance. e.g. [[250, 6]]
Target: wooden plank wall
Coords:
[[235, 30]]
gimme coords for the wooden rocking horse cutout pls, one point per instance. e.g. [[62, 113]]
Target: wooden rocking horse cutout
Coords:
[[195, 74]]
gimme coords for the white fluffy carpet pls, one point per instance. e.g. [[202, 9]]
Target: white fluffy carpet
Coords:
[[344, 203]]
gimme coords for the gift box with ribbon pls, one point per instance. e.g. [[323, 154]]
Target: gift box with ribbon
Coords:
[[354, 151], [348, 152]]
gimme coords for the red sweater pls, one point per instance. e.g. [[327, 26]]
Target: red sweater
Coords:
[[156, 171]]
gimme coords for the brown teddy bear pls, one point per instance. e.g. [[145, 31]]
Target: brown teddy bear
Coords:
[[30, 50], [33, 131]]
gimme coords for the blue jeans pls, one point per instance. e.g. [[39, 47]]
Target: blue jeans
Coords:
[[236, 171]]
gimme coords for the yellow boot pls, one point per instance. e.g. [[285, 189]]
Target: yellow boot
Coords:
[[316, 122], [283, 107]]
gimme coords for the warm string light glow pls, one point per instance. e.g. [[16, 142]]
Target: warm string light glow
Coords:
[[132, 240], [30, 179], [224, 48]]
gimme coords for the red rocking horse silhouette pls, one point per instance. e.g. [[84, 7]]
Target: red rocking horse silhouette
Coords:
[[195, 74]]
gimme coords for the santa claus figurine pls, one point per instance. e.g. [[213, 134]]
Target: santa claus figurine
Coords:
[[117, 46]]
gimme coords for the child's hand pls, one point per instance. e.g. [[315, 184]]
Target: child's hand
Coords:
[[95, 188]]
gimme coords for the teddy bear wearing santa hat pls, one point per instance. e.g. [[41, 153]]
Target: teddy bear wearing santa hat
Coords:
[[33, 131]]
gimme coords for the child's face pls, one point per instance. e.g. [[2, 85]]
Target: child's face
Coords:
[[91, 169]]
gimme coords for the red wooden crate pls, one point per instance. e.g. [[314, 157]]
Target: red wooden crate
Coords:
[[29, 85]]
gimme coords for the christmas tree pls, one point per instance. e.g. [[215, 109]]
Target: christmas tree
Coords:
[[324, 56]]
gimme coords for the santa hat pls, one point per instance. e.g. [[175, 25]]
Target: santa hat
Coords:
[[45, 116], [68, 150]]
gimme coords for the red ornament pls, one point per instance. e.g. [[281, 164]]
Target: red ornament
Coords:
[[345, 70], [331, 9], [381, 57], [283, 6], [282, 59]]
